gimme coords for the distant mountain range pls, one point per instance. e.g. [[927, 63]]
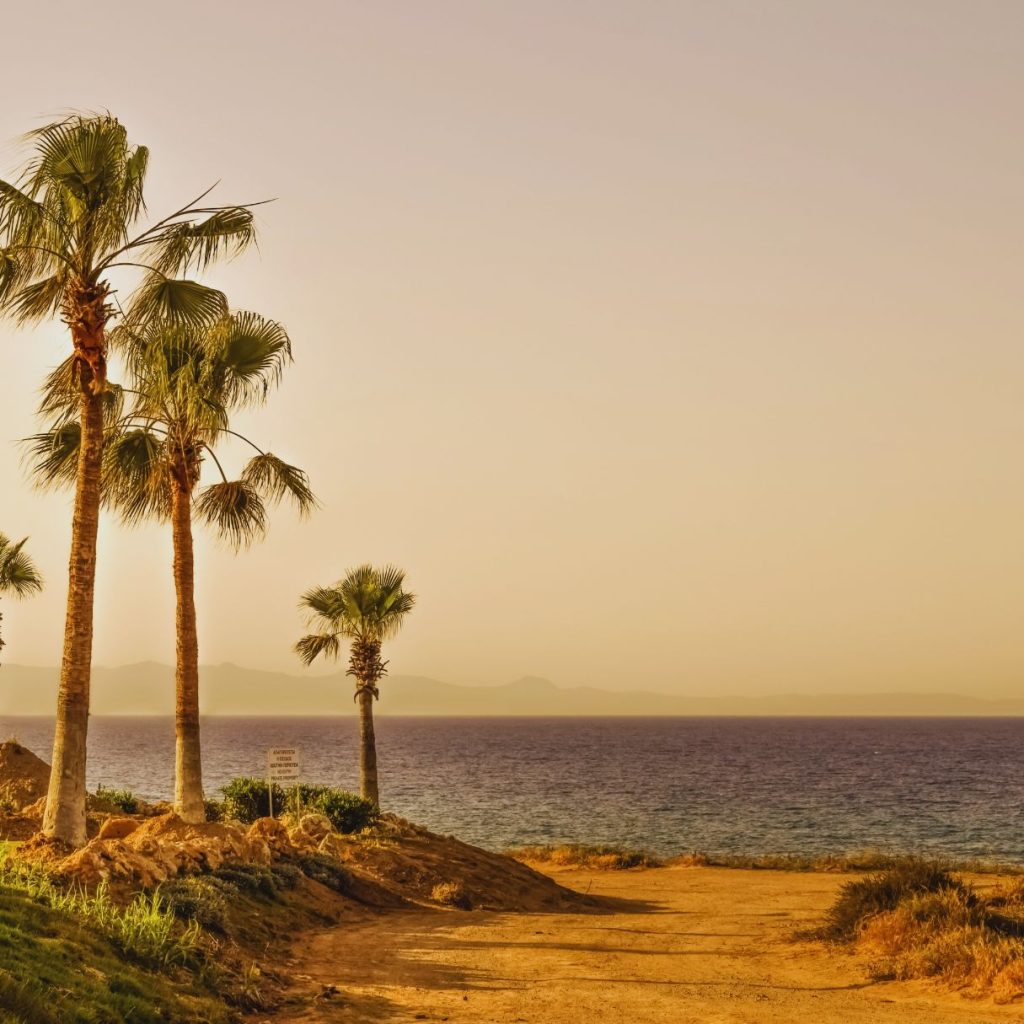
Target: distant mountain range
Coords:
[[148, 688]]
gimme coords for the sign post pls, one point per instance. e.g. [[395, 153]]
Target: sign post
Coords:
[[283, 765]]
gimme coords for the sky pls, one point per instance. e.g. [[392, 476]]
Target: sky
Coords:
[[666, 345]]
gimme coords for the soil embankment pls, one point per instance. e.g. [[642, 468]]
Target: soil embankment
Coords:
[[669, 946]]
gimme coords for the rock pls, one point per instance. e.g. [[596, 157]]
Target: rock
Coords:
[[273, 834], [311, 830], [117, 828], [335, 846], [316, 826]]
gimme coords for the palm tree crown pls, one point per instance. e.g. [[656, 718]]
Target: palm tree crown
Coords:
[[71, 218], [187, 382], [366, 607]]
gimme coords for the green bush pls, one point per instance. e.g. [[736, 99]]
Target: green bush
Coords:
[[865, 898], [348, 812], [257, 880], [215, 810], [246, 799], [123, 799], [197, 898]]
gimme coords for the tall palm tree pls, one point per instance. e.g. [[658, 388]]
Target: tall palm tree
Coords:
[[67, 223], [186, 384], [18, 574], [366, 608]]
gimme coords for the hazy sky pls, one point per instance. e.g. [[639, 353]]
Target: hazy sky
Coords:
[[671, 345]]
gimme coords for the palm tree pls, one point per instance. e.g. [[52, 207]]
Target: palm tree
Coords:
[[18, 575], [186, 385], [70, 219], [366, 608]]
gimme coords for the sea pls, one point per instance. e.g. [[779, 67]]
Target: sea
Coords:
[[940, 786]]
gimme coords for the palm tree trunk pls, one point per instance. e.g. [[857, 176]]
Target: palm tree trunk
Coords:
[[367, 748], [64, 818], [188, 766]]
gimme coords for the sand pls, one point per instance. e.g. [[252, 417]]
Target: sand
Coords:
[[670, 946]]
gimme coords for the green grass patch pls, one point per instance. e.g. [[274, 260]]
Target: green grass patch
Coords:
[[59, 968]]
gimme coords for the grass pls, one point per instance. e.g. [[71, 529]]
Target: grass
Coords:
[[580, 855], [57, 967], [145, 929], [613, 858], [452, 894], [917, 920], [865, 898]]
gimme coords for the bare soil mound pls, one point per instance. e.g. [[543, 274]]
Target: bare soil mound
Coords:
[[396, 863], [417, 865], [24, 777]]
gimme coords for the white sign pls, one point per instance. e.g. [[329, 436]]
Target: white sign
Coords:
[[283, 764]]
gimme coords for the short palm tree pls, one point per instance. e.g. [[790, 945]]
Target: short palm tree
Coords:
[[187, 383], [18, 575], [366, 608], [69, 222]]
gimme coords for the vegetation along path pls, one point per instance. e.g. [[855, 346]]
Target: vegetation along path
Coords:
[[679, 945]]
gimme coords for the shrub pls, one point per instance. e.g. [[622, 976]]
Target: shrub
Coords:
[[347, 812], [867, 897], [246, 799], [123, 799], [325, 871], [215, 810], [452, 894], [197, 898], [257, 880]]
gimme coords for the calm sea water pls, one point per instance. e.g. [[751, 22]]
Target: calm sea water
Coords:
[[953, 786]]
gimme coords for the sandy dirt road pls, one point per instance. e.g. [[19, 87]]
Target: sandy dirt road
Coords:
[[673, 946]]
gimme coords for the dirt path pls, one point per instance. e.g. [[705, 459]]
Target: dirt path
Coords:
[[700, 945]]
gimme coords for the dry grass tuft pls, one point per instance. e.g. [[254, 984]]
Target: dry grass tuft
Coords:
[[918, 921], [452, 894], [577, 855]]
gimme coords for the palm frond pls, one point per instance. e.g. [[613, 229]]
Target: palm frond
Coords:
[[234, 510], [224, 234], [11, 275], [180, 303], [53, 455], [136, 475], [326, 606], [18, 574], [275, 479], [310, 647], [20, 215], [40, 299], [62, 394], [253, 352]]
